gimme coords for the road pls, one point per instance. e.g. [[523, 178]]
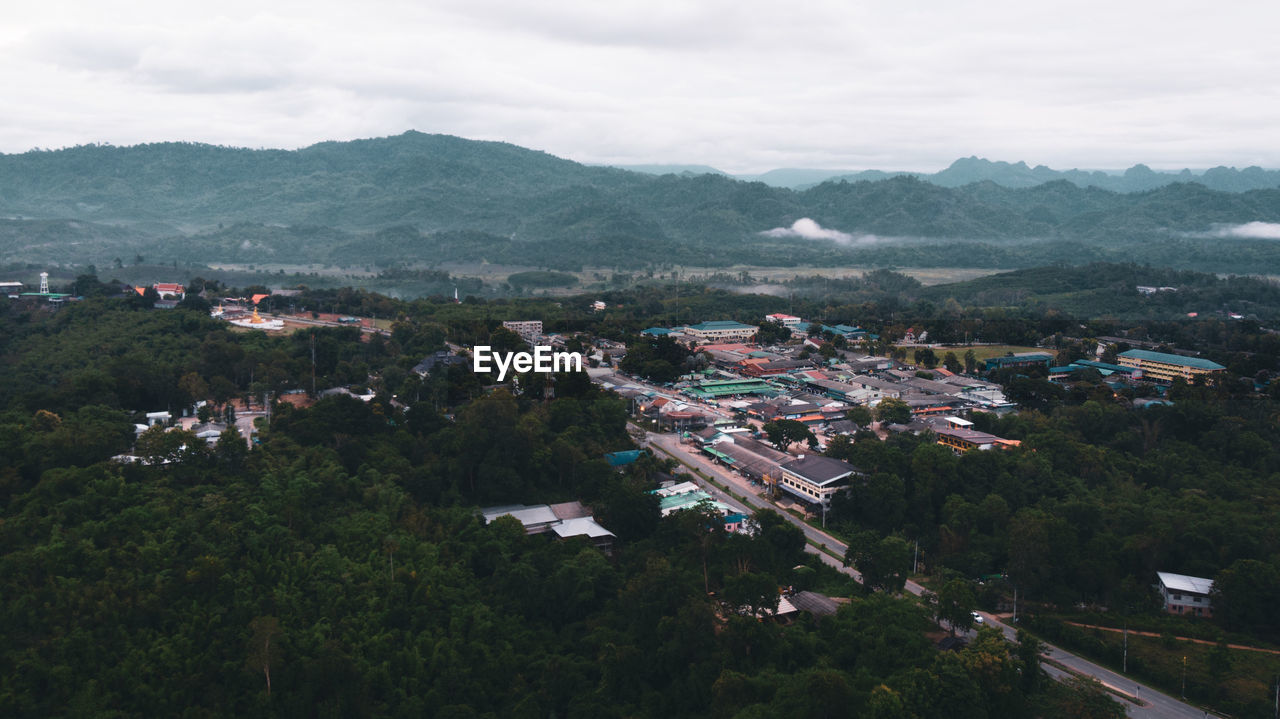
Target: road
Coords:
[[1150, 703]]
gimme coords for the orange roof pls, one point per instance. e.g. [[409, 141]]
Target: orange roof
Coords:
[[259, 298], [140, 290]]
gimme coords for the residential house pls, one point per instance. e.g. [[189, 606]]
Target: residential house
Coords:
[[1183, 594]]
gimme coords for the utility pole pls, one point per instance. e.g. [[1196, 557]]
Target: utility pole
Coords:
[[915, 559], [313, 364], [1126, 647], [1015, 604]]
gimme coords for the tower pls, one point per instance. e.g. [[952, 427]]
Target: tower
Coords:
[[44, 283]]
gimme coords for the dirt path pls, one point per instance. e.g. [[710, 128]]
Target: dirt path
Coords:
[[1181, 639]]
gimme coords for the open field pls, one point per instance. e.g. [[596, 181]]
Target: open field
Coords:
[[983, 352]]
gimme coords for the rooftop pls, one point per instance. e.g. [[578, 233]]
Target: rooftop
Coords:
[[1166, 358], [1184, 583], [819, 470], [721, 325], [580, 526]]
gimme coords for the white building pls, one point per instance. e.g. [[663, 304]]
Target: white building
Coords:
[[791, 322], [527, 329], [1183, 594], [721, 331]]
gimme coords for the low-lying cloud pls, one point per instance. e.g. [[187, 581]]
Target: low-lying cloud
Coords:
[[1249, 230], [810, 230]]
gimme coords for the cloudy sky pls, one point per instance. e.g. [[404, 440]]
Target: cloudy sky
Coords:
[[743, 85]]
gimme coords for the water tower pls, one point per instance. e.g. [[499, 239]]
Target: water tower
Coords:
[[44, 283]]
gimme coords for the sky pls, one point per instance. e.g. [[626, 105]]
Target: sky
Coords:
[[741, 85]]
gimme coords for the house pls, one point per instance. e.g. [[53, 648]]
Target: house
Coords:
[[1184, 594], [1165, 367], [570, 519], [598, 306], [687, 495], [438, 360]]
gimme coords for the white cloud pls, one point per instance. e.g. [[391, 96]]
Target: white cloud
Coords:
[[809, 230], [1249, 230]]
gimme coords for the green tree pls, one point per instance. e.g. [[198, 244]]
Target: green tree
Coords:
[[893, 411], [783, 433], [955, 603], [859, 415], [883, 563], [1243, 597]]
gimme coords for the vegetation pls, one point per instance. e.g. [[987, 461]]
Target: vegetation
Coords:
[[339, 566], [420, 200]]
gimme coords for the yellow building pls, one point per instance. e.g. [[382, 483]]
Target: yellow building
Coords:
[[1164, 367]]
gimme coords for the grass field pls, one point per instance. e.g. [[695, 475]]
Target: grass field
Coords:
[[983, 352]]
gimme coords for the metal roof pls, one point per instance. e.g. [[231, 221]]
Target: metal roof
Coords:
[[1185, 584], [580, 526], [819, 470], [1166, 358]]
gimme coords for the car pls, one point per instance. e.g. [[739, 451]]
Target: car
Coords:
[[977, 618]]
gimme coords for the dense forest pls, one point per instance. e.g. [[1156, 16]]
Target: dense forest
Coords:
[[338, 566], [424, 199]]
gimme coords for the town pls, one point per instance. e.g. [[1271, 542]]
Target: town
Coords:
[[842, 433]]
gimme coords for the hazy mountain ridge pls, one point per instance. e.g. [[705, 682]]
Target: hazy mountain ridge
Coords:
[[419, 198], [968, 170]]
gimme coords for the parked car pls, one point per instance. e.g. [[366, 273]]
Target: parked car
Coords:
[[977, 618]]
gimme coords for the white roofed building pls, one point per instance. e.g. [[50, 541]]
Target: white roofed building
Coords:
[[1183, 594]]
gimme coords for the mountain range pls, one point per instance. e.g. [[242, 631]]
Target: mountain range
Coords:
[[968, 170], [419, 199]]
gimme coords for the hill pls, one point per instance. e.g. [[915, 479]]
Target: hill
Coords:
[[419, 199]]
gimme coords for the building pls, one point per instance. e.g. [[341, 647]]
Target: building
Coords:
[[1185, 595], [598, 306], [721, 331], [791, 322], [814, 478], [1165, 367], [443, 359], [570, 519], [170, 290], [959, 436], [1020, 360], [527, 329]]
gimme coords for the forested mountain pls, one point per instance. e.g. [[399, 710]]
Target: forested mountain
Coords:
[[1138, 178], [968, 170], [424, 199]]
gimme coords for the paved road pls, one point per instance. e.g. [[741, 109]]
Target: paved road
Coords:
[[1151, 704]]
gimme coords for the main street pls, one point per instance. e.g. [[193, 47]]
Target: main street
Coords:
[[1142, 702]]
